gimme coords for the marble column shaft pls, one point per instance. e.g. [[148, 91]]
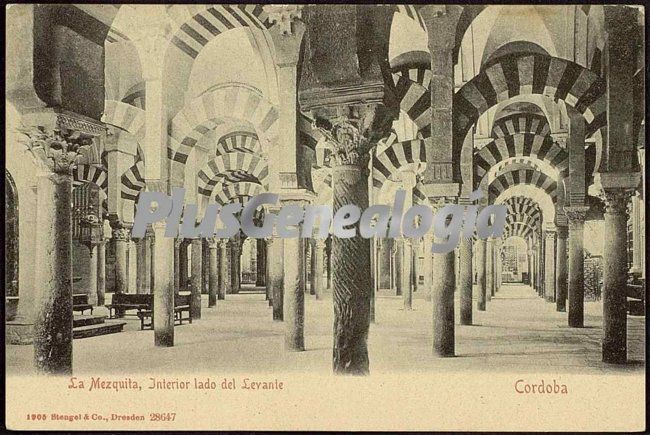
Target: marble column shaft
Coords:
[[223, 269], [489, 269], [213, 272], [465, 265], [197, 278], [101, 273], [53, 268], [561, 273], [163, 291], [480, 273], [614, 349], [549, 270]]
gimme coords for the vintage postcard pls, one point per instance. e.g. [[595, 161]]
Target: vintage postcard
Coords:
[[325, 217]]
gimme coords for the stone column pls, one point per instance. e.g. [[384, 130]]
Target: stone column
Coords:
[[276, 275], [384, 262], [163, 290], [140, 269], [149, 240], [177, 264], [615, 276], [442, 296], [312, 266], [561, 273], [92, 274], [101, 273], [319, 260], [576, 281], [374, 257], [406, 274], [465, 265], [121, 237], [481, 249], [398, 244], [53, 323], [55, 150], [549, 263], [351, 265], [260, 278], [294, 293], [489, 269], [223, 269], [235, 257], [428, 266], [408, 182], [438, 176], [213, 275], [529, 261], [197, 277], [415, 256], [205, 267], [183, 263], [540, 267]]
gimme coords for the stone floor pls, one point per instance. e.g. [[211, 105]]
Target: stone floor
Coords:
[[519, 333]]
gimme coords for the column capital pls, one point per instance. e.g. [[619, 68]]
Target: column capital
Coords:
[[58, 148], [351, 131], [576, 215], [178, 242], [441, 22], [121, 234], [286, 32], [617, 200], [213, 242], [150, 33]]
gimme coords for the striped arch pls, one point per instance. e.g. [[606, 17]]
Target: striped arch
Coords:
[[419, 197], [518, 162], [521, 123], [234, 166], [94, 174], [520, 229], [529, 220], [395, 157], [411, 89], [132, 180], [523, 206], [200, 24], [231, 101], [522, 176], [520, 145], [241, 141], [240, 189], [523, 74], [125, 117]]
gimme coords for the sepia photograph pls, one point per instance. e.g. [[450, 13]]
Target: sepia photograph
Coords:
[[319, 217]]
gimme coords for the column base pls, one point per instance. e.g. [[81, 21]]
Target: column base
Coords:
[[19, 332], [613, 355]]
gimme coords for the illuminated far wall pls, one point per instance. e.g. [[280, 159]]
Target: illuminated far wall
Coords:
[[514, 259]]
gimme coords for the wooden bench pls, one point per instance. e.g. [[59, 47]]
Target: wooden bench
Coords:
[[182, 304], [80, 303], [123, 302]]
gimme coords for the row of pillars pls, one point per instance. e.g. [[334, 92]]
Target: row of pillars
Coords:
[[54, 353]]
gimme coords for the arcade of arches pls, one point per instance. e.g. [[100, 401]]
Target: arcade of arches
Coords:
[[323, 105]]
